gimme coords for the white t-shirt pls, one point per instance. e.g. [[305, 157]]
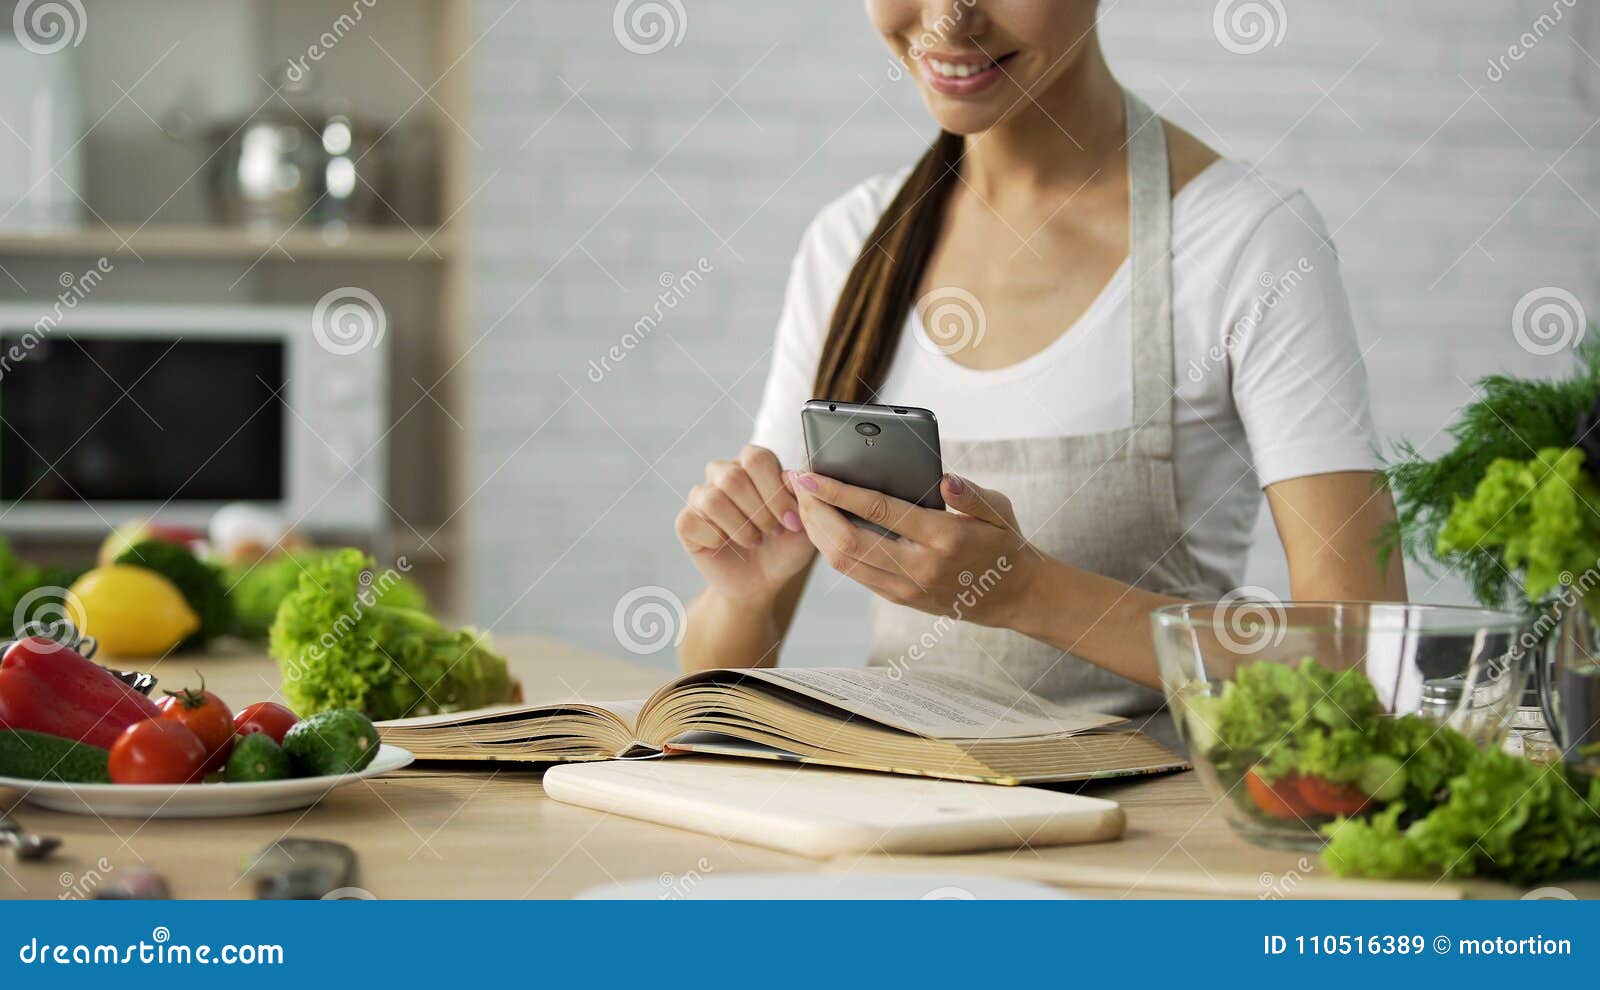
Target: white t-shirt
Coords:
[[1270, 381]]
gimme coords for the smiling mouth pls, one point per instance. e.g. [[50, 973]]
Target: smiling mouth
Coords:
[[962, 74], [951, 69]]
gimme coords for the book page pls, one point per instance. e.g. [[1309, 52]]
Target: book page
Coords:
[[937, 704], [626, 711]]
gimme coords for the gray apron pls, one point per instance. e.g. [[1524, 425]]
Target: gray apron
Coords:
[[1103, 502]]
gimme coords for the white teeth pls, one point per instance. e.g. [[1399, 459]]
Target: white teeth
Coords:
[[957, 70]]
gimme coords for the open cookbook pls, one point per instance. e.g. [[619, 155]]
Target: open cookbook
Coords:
[[922, 723]]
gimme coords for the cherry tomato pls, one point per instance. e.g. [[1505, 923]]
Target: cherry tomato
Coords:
[[1280, 799], [157, 751], [267, 717], [204, 714], [1331, 798]]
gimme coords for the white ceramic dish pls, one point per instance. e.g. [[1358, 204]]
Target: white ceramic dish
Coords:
[[196, 800]]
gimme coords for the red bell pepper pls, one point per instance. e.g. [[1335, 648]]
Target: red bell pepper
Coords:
[[47, 687]]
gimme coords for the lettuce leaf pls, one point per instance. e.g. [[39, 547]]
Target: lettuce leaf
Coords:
[[257, 589], [339, 646], [1542, 514], [1505, 818]]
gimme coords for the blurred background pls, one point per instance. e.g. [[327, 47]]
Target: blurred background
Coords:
[[482, 284]]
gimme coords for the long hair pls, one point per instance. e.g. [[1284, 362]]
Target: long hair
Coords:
[[882, 287]]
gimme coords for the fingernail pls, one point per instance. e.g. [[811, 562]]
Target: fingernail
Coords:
[[792, 521], [807, 482], [957, 487]]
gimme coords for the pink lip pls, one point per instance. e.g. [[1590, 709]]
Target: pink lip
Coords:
[[952, 86]]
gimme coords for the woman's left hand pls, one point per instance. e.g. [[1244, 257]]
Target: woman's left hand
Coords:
[[973, 564]]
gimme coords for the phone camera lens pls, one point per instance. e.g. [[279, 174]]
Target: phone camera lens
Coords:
[[868, 429]]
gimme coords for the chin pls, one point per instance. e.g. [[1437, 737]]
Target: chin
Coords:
[[963, 120]]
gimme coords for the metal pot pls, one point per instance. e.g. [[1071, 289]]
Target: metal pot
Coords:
[[278, 168]]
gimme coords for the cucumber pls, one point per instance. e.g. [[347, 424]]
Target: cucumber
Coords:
[[331, 742], [1383, 778], [39, 756], [257, 758]]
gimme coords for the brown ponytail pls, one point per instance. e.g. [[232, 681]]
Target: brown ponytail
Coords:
[[882, 287]]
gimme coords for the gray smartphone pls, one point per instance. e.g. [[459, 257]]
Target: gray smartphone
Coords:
[[889, 449]]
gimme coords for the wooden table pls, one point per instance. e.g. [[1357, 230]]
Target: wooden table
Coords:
[[441, 832]]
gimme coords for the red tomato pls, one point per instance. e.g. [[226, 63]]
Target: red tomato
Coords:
[[157, 751], [267, 717], [1280, 799], [1333, 799], [204, 714]]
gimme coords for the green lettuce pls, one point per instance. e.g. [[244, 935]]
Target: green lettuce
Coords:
[[1505, 818], [340, 646], [1280, 719], [258, 589], [1541, 514], [19, 578], [1449, 809]]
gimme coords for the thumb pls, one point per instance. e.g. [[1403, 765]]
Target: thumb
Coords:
[[976, 501]]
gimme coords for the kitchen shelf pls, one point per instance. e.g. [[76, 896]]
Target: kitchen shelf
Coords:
[[399, 244]]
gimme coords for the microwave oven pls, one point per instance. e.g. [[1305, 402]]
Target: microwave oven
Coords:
[[117, 412]]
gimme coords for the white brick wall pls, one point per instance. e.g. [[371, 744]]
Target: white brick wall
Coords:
[[1451, 196]]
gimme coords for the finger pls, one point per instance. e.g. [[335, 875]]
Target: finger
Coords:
[[735, 483], [893, 587], [838, 539], [699, 533], [764, 470], [716, 506], [896, 515], [978, 502]]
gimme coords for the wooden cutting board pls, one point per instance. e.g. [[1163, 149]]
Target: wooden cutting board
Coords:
[[822, 812]]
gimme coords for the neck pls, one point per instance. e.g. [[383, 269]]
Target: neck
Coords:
[[1062, 135]]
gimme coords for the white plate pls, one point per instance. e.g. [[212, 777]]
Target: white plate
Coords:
[[196, 800]]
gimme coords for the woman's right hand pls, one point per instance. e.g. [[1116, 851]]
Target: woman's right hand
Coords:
[[742, 528]]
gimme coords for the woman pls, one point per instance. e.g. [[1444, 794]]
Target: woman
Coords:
[[1148, 334]]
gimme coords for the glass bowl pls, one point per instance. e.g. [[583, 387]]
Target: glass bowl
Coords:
[[1287, 749]]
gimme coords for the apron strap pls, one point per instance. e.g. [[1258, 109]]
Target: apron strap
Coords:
[[1150, 260]]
